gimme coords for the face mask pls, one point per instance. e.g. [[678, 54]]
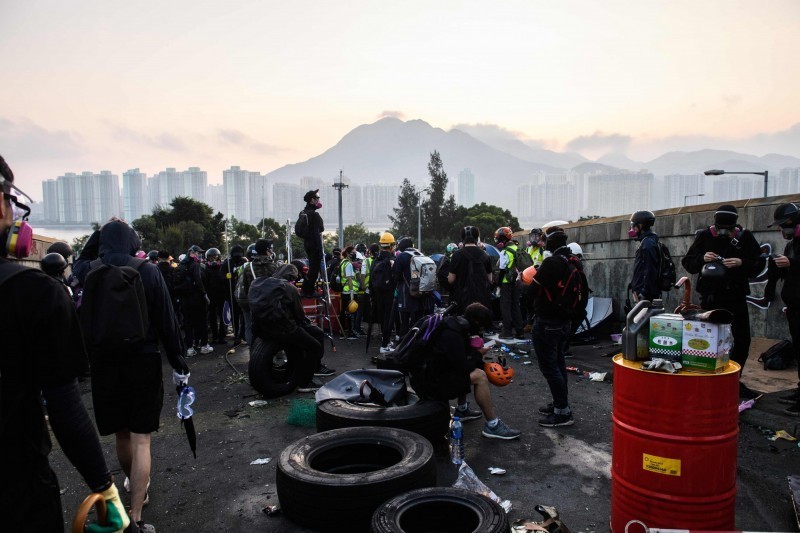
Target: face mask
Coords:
[[790, 233], [475, 342], [20, 234], [633, 233], [501, 245], [318, 205]]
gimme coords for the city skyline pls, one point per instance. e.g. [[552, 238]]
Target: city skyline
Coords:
[[99, 85]]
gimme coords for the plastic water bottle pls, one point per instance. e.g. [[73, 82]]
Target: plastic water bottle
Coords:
[[185, 401], [456, 441]]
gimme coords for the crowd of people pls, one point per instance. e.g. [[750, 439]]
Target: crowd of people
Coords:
[[122, 307]]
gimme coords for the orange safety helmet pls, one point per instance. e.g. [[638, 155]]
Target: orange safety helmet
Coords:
[[527, 275], [498, 374]]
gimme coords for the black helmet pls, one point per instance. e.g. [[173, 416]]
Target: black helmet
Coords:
[[470, 234], [263, 246], [212, 252], [644, 218], [195, 249], [251, 251], [60, 248], [361, 248], [152, 255], [53, 264], [237, 250], [405, 243], [784, 214], [726, 216]]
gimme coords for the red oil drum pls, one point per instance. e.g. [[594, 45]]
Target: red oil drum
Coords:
[[674, 446], [314, 310]]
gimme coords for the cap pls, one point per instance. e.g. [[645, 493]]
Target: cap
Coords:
[[310, 195]]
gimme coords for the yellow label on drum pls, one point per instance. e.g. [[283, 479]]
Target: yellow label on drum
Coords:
[[699, 344], [661, 465]]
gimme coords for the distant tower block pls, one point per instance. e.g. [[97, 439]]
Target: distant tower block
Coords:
[[465, 192]]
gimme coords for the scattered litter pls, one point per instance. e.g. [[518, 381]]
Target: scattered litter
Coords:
[[258, 403], [261, 461], [597, 376], [661, 365], [496, 471], [62, 491], [745, 405], [551, 522], [781, 434], [469, 481], [527, 362], [271, 510], [575, 370]]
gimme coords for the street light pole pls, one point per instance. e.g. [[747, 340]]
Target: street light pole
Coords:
[[717, 172], [419, 218], [339, 186], [687, 196]]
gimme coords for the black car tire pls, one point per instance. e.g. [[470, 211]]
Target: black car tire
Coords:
[[272, 370], [335, 480], [440, 509], [430, 419]]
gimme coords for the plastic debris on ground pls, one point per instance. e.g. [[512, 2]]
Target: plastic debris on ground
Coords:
[[745, 405], [552, 523], [527, 362], [258, 403], [271, 510], [467, 480], [496, 471], [261, 461], [782, 434], [597, 376]]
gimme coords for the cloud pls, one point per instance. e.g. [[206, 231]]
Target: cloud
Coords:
[[731, 100], [162, 141], [600, 142], [392, 113], [242, 140], [494, 132], [23, 139]]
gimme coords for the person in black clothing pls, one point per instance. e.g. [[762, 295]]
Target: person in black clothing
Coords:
[[127, 389], [194, 304], [738, 251], [470, 271], [295, 331], [230, 269], [215, 289], [551, 325], [313, 243], [382, 288], [787, 268], [644, 284], [452, 365], [410, 308], [42, 357]]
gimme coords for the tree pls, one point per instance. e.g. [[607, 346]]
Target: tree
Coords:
[[358, 233], [404, 221], [183, 223], [487, 218], [432, 208]]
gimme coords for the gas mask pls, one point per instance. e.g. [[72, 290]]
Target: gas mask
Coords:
[[20, 234]]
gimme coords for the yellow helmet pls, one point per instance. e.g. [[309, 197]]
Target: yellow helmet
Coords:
[[352, 307], [387, 239]]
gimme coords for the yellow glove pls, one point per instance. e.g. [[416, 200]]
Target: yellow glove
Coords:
[[116, 517]]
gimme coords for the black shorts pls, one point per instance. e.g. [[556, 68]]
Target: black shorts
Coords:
[[128, 395]]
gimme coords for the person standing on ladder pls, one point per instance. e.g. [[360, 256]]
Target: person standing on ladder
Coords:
[[312, 242]]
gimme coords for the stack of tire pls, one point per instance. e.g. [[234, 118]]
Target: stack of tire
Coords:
[[376, 479]]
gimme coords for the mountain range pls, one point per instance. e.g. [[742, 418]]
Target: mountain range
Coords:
[[390, 149]]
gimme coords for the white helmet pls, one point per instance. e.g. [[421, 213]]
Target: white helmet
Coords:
[[575, 248]]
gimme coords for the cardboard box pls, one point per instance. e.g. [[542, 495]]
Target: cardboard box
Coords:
[[666, 335], [706, 347]]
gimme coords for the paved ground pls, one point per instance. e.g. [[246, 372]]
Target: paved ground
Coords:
[[566, 467]]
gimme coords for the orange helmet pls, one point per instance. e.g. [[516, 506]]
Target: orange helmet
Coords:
[[503, 234], [527, 275], [498, 374]]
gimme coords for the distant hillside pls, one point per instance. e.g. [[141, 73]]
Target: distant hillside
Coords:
[[389, 150], [702, 160]]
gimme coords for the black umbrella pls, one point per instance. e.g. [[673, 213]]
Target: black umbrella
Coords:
[[185, 413]]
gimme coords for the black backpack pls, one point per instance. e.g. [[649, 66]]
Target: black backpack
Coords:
[[182, 282], [114, 316], [778, 357], [380, 277], [572, 292], [522, 259], [267, 301], [667, 274], [302, 228], [335, 275]]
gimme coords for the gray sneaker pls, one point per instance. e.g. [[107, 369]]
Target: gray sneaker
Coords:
[[468, 414], [500, 431]]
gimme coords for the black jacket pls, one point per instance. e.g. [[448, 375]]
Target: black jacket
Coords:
[[315, 228], [645, 267], [737, 280], [790, 294], [443, 373], [553, 270]]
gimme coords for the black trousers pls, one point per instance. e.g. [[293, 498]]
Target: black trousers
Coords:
[[314, 253], [195, 311], [215, 318], [509, 307], [793, 317], [309, 340], [740, 327], [383, 314]]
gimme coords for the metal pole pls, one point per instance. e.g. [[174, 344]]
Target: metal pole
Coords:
[[288, 241], [419, 220], [766, 181], [263, 210], [339, 186]]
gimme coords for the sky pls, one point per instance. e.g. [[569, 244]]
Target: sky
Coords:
[[111, 85]]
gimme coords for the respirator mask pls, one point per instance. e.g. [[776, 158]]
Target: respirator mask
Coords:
[[20, 235]]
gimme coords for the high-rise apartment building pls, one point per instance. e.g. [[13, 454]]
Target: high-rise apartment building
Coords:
[[83, 198], [288, 202], [134, 194], [681, 189], [787, 182], [171, 183], [378, 202], [548, 197], [465, 188], [617, 193], [246, 195], [216, 197]]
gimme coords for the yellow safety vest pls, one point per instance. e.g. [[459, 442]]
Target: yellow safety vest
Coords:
[[346, 282], [365, 285], [510, 252]]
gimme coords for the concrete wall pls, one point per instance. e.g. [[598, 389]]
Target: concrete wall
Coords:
[[609, 253]]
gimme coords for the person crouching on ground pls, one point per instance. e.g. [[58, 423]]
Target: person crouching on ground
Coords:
[[450, 364]]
